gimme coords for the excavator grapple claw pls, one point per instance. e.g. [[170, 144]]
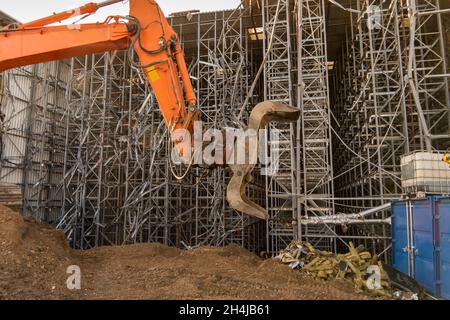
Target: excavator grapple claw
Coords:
[[262, 114]]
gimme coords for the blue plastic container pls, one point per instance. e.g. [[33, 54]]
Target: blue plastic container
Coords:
[[421, 242]]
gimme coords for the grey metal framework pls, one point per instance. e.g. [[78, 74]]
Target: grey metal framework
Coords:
[[33, 135], [315, 127], [390, 98], [278, 86], [94, 148], [120, 185]]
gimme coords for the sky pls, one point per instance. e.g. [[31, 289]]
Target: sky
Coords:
[[28, 10]]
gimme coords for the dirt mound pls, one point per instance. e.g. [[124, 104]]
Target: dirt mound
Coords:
[[34, 259]]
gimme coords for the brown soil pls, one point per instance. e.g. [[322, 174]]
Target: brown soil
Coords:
[[34, 259]]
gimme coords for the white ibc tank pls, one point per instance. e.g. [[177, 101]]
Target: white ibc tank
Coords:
[[425, 172]]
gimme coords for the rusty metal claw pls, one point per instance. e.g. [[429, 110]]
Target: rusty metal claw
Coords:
[[261, 115]]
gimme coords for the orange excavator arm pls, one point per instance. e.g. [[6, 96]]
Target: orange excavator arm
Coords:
[[146, 29]]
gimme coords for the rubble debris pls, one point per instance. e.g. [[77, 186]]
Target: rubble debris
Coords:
[[358, 267]]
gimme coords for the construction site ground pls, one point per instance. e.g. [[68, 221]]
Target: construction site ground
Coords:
[[34, 259]]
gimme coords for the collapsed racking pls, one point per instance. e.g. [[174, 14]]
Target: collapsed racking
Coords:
[[85, 140]]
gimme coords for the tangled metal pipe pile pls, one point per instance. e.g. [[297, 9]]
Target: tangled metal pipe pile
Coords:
[[358, 266]]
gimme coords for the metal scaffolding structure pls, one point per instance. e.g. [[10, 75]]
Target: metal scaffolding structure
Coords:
[[278, 86], [94, 148], [120, 184], [390, 98], [315, 127], [86, 141], [33, 136]]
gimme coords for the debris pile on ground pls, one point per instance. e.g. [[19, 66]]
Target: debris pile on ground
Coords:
[[357, 267], [34, 259]]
